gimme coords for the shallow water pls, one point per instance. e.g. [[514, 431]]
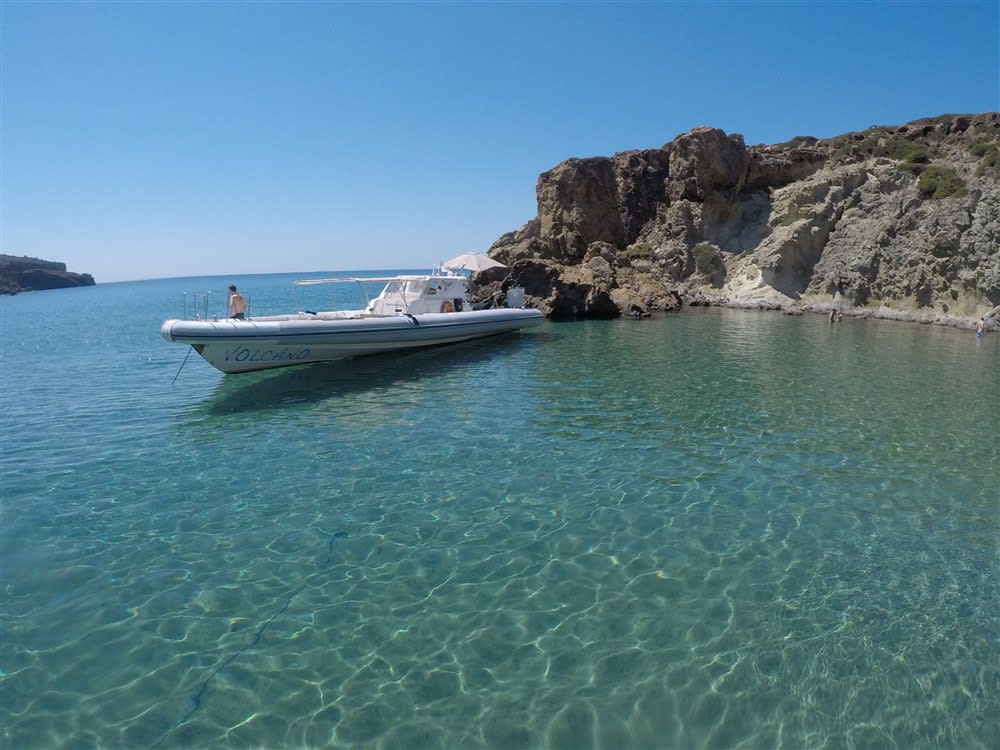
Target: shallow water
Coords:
[[712, 529]]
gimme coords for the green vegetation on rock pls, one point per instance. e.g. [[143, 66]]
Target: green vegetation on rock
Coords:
[[989, 154], [704, 257], [940, 182], [915, 160]]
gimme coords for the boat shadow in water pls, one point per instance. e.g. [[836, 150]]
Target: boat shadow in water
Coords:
[[275, 389]]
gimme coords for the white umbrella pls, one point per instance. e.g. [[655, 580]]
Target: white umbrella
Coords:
[[472, 262]]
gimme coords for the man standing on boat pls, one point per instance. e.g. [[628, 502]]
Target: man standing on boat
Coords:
[[237, 305]]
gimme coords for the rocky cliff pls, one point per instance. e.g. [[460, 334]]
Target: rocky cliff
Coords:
[[894, 221], [22, 274]]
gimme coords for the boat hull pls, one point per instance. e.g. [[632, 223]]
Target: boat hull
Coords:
[[234, 346]]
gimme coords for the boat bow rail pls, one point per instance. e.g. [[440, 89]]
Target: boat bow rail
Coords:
[[208, 305]]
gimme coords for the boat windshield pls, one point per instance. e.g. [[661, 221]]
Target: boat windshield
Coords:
[[408, 289], [395, 289], [420, 294]]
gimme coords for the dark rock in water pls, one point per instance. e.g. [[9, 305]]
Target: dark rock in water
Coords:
[[24, 274]]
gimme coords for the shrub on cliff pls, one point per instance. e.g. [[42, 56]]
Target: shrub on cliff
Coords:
[[704, 258], [878, 142], [989, 154], [915, 159], [940, 182]]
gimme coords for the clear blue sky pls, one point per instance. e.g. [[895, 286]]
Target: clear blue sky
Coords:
[[157, 139]]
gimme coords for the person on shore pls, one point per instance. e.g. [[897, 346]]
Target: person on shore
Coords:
[[981, 327], [237, 305]]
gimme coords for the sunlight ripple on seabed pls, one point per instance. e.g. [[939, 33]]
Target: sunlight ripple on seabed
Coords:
[[706, 530]]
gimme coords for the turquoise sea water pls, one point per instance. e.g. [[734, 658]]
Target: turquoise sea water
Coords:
[[714, 529]]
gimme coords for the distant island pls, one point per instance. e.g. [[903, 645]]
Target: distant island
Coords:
[[24, 274]]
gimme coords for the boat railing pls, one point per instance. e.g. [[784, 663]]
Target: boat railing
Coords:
[[209, 305]]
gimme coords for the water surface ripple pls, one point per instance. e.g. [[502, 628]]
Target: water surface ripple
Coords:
[[717, 529]]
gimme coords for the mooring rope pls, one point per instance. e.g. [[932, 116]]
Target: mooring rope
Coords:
[[190, 349]]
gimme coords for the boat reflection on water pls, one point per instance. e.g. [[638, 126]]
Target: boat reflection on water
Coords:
[[382, 380]]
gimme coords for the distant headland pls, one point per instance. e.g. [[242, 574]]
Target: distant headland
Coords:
[[24, 274]]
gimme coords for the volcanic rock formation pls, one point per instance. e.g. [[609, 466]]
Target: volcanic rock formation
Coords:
[[894, 221]]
